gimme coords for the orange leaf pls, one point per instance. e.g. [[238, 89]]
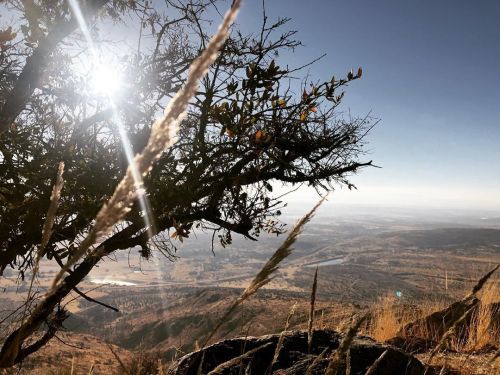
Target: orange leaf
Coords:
[[7, 35], [313, 109], [259, 135], [360, 72], [303, 115]]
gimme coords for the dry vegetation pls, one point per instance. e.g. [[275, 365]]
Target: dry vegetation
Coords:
[[468, 352], [390, 316]]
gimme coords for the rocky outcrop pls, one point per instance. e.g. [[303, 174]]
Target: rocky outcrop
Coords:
[[293, 358]]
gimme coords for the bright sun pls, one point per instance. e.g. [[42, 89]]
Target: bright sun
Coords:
[[105, 81]]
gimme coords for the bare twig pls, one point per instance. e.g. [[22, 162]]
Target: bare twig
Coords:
[[90, 299], [120, 362]]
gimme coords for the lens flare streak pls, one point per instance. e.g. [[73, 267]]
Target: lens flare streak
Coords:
[[108, 92]]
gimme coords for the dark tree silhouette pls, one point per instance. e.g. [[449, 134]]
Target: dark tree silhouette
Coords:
[[252, 122]]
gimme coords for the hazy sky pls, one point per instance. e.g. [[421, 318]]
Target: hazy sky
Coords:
[[431, 74]]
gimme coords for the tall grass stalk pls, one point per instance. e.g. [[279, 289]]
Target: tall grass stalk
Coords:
[[483, 329], [479, 285], [219, 370], [271, 266], [311, 311], [314, 363], [371, 370], [385, 323], [51, 212], [337, 358], [199, 371], [48, 224], [162, 136], [281, 339], [348, 363]]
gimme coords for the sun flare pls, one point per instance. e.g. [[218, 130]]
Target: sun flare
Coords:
[[105, 81]]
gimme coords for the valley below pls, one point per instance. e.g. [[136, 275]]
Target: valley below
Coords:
[[167, 308]]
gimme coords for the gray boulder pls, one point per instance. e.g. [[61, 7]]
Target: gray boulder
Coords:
[[294, 358]]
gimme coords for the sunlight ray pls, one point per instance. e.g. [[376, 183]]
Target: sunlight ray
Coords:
[[114, 80]]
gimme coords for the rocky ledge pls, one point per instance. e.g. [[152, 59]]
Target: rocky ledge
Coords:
[[254, 355]]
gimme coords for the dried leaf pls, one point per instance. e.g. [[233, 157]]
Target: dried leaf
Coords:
[[259, 135], [7, 35]]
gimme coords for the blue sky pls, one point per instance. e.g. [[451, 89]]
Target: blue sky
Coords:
[[431, 74]]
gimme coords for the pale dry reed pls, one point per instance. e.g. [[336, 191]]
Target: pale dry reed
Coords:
[[219, 370], [271, 266], [48, 224], [162, 136], [315, 362], [337, 358], [51, 212], [371, 370], [281, 339], [311, 311]]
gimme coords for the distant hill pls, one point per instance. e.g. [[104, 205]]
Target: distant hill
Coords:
[[445, 238]]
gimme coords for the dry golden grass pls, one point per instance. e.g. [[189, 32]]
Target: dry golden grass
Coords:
[[390, 316], [385, 323], [481, 332], [453, 331]]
